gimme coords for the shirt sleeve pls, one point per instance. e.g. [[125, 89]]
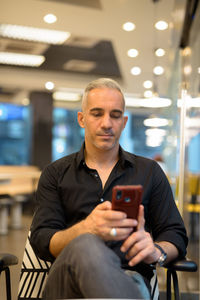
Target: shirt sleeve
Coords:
[[49, 216], [164, 217]]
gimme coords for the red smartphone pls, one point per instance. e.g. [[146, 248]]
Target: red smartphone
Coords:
[[127, 198]]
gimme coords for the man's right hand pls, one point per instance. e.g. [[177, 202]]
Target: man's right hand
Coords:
[[100, 222], [102, 219]]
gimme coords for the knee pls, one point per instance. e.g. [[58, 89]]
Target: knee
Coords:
[[88, 250]]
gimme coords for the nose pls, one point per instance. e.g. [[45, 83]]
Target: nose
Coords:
[[106, 122]]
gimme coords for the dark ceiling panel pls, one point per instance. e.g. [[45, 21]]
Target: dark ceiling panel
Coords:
[[102, 54]]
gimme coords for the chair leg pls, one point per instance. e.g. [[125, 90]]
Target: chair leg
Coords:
[[175, 283], [169, 285], [8, 285], [172, 275]]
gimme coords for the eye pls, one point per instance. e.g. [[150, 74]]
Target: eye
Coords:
[[96, 114], [116, 115]]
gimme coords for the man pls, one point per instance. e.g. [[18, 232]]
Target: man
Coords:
[[91, 245]]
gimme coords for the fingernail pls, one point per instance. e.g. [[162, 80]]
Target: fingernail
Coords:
[[122, 249]]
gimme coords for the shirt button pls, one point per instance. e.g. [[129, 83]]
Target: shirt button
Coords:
[[96, 175], [101, 199]]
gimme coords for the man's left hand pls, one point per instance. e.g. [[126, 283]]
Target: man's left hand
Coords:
[[139, 245]]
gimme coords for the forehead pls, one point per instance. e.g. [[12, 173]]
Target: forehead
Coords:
[[104, 98]]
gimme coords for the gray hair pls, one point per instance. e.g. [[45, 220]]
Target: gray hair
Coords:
[[101, 83]]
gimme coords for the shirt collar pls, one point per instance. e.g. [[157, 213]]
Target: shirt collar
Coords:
[[124, 157]]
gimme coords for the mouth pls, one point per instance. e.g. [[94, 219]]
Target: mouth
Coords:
[[106, 135]]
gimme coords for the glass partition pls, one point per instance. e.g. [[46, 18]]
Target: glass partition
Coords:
[[15, 134]]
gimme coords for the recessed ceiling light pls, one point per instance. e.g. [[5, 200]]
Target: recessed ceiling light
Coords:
[[128, 26], [34, 34], [187, 51], [49, 85], [19, 59], [135, 71], [132, 52], [25, 101], [161, 25], [148, 84], [50, 18], [158, 70], [187, 70], [159, 52], [148, 94]]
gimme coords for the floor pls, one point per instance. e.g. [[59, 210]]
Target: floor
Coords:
[[14, 243]]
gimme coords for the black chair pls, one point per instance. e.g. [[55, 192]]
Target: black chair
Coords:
[[184, 265], [7, 260], [34, 273]]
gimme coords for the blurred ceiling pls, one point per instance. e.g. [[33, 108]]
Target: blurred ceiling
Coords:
[[97, 46]]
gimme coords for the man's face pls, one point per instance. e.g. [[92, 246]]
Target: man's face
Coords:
[[103, 118]]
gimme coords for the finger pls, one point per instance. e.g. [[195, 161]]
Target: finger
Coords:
[[123, 222], [139, 246], [139, 257], [121, 234], [141, 220]]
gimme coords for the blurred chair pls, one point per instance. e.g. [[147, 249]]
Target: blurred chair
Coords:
[[7, 260], [34, 273]]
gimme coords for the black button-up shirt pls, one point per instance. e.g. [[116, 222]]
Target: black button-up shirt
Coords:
[[68, 191]]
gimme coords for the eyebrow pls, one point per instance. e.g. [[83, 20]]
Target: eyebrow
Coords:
[[101, 109]]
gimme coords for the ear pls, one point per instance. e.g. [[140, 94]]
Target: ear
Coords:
[[80, 118], [125, 121]]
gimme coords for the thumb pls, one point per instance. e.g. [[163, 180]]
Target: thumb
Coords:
[[104, 206], [141, 220]]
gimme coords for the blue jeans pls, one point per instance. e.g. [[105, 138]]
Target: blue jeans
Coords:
[[87, 268]]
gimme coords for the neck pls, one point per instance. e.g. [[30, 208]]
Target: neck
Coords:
[[99, 157]]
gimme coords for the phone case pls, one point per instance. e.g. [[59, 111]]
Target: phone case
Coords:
[[127, 198]]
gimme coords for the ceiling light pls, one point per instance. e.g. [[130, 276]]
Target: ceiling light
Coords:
[[132, 52], [190, 102], [156, 122], [153, 141], [128, 26], [148, 84], [50, 18], [198, 70], [34, 34], [66, 96], [148, 94], [9, 58], [159, 52], [161, 25], [192, 122], [158, 70], [132, 102], [49, 85], [187, 70], [135, 71], [187, 51], [25, 101], [156, 102], [157, 132]]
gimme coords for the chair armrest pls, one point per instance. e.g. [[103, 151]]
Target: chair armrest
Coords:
[[185, 265], [7, 260]]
